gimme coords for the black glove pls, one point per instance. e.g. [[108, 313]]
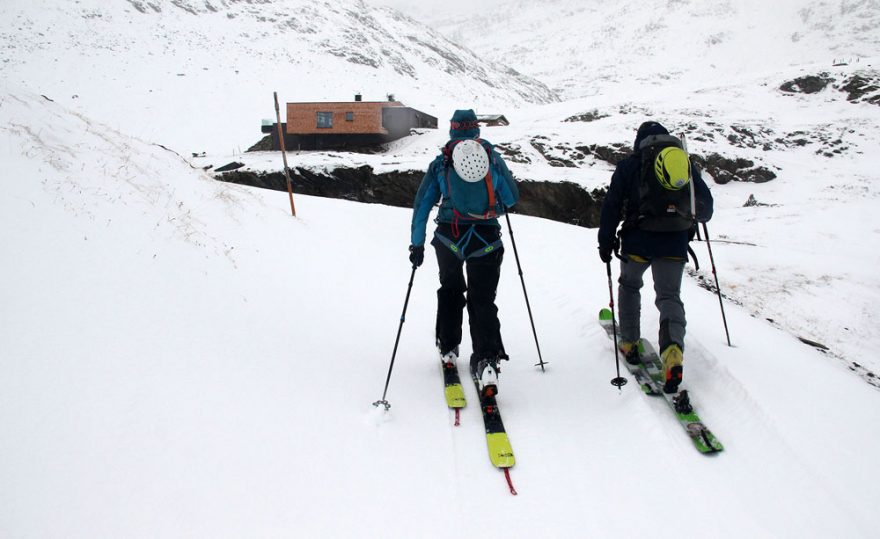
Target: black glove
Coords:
[[606, 250], [416, 255]]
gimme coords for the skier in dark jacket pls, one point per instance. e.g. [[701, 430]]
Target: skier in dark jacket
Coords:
[[665, 252], [462, 238]]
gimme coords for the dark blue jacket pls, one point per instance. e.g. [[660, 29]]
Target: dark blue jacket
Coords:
[[621, 204]]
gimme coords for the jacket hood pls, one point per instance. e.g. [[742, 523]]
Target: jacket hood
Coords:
[[646, 130]]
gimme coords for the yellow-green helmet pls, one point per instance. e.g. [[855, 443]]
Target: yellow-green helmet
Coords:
[[672, 168]]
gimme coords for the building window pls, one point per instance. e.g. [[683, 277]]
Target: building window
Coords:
[[325, 120], [349, 116]]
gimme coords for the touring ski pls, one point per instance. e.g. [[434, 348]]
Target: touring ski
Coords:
[[649, 375], [455, 398], [500, 450]]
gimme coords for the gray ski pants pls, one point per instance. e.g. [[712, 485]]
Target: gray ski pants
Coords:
[[667, 273]]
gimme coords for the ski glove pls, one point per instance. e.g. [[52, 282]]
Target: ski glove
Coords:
[[606, 250], [416, 255]]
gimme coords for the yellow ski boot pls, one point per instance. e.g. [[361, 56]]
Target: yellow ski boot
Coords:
[[672, 369]]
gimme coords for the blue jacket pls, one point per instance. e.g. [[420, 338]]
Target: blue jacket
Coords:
[[623, 196], [433, 189]]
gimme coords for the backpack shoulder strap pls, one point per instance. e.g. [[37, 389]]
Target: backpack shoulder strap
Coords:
[[490, 188]]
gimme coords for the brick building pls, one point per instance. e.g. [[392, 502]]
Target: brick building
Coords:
[[331, 125]]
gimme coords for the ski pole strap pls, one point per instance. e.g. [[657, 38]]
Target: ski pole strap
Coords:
[[459, 248], [693, 256]]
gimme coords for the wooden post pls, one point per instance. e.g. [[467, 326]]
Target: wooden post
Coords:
[[284, 154]]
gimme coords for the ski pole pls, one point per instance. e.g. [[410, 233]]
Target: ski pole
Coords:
[[717, 286], [284, 154], [525, 293], [383, 401], [619, 381], [684, 146]]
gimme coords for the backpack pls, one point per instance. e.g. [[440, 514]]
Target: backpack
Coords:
[[471, 200], [663, 208]]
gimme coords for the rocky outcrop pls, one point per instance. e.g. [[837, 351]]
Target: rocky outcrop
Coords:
[[265, 144], [590, 116], [810, 84], [724, 170], [565, 202], [610, 154], [862, 86], [359, 184]]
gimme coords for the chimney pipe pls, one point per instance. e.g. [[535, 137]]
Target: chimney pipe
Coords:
[[357, 97]]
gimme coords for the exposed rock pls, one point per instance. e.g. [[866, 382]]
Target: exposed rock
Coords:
[[590, 116], [724, 170], [230, 166], [753, 202], [744, 137], [795, 138], [559, 201], [818, 345], [810, 84], [548, 153], [611, 154], [565, 202], [264, 145], [512, 152], [862, 88]]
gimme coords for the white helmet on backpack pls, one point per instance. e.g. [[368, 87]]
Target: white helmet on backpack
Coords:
[[470, 160]]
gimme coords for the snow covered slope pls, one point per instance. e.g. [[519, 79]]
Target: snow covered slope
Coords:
[[180, 357], [585, 47], [199, 76]]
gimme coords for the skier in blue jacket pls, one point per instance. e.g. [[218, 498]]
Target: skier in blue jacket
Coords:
[[665, 252], [465, 237]]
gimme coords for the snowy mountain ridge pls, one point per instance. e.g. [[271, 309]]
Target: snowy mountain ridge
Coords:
[[200, 75], [585, 47]]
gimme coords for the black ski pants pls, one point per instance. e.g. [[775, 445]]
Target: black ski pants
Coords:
[[477, 292]]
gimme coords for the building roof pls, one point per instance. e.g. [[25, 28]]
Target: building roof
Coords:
[[494, 118]]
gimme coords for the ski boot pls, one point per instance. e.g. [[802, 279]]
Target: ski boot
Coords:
[[630, 351], [485, 372], [672, 369]]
